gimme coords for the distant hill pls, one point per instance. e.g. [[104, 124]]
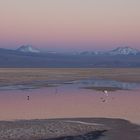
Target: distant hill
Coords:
[[28, 56]]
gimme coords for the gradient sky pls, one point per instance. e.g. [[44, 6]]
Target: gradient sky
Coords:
[[70, 24]]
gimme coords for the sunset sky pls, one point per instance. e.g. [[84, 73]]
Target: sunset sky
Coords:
[[70, 24]]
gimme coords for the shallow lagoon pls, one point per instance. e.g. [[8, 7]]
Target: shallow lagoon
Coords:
[[71, 99]]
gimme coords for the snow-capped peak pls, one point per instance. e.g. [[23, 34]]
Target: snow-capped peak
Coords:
[[28, 48], [124, 51], [117, 51]]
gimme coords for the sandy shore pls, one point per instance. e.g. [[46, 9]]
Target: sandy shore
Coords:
[[32, 78], [69, 129], [15, 75]]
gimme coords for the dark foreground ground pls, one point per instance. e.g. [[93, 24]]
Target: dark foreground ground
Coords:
[[69, 129]]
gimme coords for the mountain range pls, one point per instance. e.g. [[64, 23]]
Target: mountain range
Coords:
[[116, 51], [28, 56]]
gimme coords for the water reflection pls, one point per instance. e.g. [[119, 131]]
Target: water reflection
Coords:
[[109, 83], [79, 83]]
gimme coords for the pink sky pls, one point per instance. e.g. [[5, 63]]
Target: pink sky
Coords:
[[70, 24]]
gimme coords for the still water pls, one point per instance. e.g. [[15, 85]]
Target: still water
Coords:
[[71, 100]]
